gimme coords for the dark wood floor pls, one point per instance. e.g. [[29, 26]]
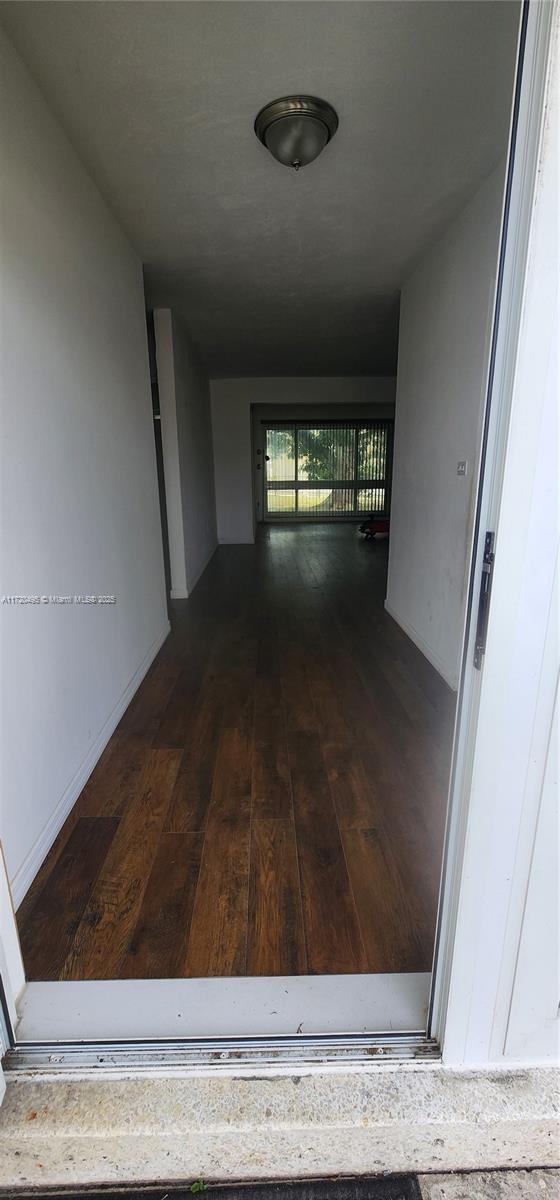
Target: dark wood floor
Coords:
[[273, 799]]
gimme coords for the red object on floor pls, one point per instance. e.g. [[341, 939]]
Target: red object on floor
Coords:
[[375, 525]]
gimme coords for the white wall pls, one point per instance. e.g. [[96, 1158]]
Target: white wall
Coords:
[[443, 349], [188, 463], [232, 400], [80, 504]]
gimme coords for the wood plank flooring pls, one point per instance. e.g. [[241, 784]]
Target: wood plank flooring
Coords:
[[273, 800]]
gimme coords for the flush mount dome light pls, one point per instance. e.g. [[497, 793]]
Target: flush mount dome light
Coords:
[[296, 128]]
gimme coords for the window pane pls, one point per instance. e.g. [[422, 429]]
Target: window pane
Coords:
[[371, 500], [331, 502], [280, 448], [321, 470], [326, 452], [372, 452], [281, 500]]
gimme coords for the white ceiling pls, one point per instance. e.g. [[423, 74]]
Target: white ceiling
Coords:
[[279, 273]]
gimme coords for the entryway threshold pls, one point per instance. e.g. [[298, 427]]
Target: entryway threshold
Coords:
[[242, 1007], [108, 1131]]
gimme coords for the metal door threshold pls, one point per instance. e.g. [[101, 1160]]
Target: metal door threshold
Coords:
[[241, 1055]]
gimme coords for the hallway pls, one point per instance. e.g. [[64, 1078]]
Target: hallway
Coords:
[[273, 800]]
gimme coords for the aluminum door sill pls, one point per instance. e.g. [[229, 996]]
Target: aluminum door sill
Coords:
[[211, 1022]]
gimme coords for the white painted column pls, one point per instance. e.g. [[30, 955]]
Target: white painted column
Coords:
[[163, 325]]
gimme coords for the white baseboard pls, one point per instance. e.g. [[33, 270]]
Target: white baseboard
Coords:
[[452, 680], [26, 873], [201, 569], [236, 541], [184, 593]]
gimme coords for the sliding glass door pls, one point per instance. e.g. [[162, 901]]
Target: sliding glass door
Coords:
[[327, 470]]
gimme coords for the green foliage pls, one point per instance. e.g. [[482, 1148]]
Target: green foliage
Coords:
[[198, 1186], [281, 443], [327, 454], [321, 454]]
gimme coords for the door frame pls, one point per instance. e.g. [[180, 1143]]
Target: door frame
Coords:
[[518, 205], [527, 121]]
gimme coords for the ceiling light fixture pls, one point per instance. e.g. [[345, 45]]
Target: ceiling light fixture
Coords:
[[296, 128]]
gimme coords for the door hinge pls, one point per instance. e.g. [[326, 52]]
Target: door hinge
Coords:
[[484, 599]]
